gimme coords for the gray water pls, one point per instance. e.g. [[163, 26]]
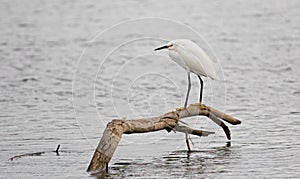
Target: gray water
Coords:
[[65, 72]]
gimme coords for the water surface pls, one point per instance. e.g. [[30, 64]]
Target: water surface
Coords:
[[41, 54]]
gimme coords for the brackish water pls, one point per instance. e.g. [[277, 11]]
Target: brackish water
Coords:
[[65, 72]]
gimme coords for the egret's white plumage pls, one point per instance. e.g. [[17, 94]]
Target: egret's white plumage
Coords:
[[193, 59]]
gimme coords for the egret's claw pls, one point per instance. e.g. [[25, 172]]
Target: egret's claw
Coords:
[[180, 108], [183, 108], [202, 106]]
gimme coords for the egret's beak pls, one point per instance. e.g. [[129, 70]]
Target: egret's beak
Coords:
[[163, 47], [160, 48]]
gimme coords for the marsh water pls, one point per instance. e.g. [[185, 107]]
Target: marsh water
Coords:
[[69, 67]]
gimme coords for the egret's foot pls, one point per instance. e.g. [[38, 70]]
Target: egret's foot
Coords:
[[202, 106], [180, 108], [183, 108]]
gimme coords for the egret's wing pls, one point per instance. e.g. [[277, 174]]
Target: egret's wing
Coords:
[[197, 60], [177, 57]]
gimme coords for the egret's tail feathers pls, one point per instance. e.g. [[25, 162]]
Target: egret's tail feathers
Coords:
[[213, 74]]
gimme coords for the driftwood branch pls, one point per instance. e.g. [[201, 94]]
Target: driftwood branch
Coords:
[[169, 121]]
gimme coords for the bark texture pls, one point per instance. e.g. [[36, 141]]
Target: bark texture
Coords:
[[169, 121]]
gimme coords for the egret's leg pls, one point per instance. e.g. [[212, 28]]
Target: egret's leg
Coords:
[[188, 91], [185, 104], [201, 89]]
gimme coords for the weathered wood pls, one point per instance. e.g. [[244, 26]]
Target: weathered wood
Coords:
[[169, 121], [188, 130], [223, 116], [107, 146]]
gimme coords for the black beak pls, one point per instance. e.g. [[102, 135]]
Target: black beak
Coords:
[[159, 48]]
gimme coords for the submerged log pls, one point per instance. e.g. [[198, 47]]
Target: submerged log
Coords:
[[34, 154], [169, 121]]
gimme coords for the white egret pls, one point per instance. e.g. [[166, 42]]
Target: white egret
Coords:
[[193, 59]]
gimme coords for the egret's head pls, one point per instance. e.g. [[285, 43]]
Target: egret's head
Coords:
[[168, 46]]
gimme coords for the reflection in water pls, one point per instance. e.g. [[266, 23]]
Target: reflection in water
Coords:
[[198, 163]]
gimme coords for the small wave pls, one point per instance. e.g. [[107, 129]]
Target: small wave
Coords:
[[283, 69], [29, 79], [296, 93]]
